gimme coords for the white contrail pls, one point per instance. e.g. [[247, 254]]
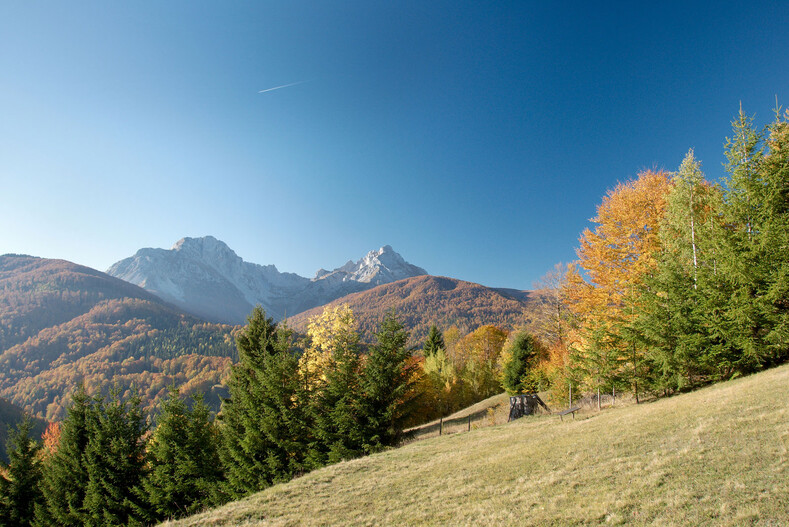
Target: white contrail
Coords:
[[283, 86]]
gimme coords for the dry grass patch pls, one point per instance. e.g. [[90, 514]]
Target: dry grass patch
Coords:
[[713, 457]]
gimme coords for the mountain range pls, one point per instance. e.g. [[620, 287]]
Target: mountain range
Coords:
[[64, 324], [204, 277]]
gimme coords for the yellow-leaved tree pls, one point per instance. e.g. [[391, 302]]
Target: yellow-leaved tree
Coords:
[[334, 327], [601, 287]]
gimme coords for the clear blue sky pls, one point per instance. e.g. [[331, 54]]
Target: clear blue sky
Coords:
[[476, 138]]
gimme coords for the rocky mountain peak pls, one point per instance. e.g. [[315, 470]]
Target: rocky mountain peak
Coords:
[[205, 248], [204, 276]]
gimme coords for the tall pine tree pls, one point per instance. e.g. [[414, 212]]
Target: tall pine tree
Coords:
[[184, 459], [65, 473], [266, 426], [338, 401], [743, 263], [244, 445], [775, 239], [387, 385], [434, 342], [20, 492], [115, 457]]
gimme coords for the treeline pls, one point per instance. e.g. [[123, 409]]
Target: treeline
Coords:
[[681, 282], [293, 406]]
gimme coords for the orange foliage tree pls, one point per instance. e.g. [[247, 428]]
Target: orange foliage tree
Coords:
[[613, 260]]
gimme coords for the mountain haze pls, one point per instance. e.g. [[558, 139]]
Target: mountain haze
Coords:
[[203, 276]]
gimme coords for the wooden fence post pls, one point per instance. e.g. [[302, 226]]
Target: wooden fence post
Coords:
[[441, 426], [469, 422]]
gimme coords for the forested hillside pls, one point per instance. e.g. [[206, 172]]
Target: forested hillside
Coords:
[[65, 324], [426, 300]]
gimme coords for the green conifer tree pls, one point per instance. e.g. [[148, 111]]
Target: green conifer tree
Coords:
[[266, 424], [743, 262], [387, 383], [285, 420], [521, 352], [19, 488], [674, 299], [338, 425], [434, 342], [65, 473], [184, 459], [775, 240], [116, 459], [244, 446]]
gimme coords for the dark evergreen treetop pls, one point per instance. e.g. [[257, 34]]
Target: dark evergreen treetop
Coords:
[[434, 342], [65, 475], [387, 384], [19, 488], [185, 466], [523, 349]]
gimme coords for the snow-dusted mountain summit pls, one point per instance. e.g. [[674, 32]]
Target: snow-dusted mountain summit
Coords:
[[205, 277]]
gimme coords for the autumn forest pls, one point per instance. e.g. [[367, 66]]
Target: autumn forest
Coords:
[[679, 283]]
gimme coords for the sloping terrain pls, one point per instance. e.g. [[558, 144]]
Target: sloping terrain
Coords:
[[717, 456], [425, 300], [64, 324]]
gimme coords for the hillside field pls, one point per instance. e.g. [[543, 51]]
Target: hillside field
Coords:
[[717, 456]]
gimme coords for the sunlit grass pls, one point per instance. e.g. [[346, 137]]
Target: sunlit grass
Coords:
[[716, 456]]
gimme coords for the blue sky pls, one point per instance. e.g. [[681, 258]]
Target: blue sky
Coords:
[[475, 138]]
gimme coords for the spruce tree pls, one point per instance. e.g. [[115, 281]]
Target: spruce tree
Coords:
[[743, 262], [115, 458], [20, 492], [184, 459], [387, 383], [775, 240], [338, 425], [434, 342], [244, 446], [266, 426], [65, 473], [672, 321], [285, 420], [520, 352]]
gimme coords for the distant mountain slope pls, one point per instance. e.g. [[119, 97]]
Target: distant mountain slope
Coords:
[[64, 324], [10, 416], [36, 293], [425, 300], [203, 276]]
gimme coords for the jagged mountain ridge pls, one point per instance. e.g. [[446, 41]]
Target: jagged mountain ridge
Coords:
[[205, 277]]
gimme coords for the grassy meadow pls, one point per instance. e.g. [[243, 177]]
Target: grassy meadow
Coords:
[[717, 456]]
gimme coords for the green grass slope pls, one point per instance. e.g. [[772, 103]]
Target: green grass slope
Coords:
[[718, 456]]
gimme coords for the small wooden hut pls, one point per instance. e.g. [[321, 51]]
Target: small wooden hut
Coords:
[[525, 404]]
